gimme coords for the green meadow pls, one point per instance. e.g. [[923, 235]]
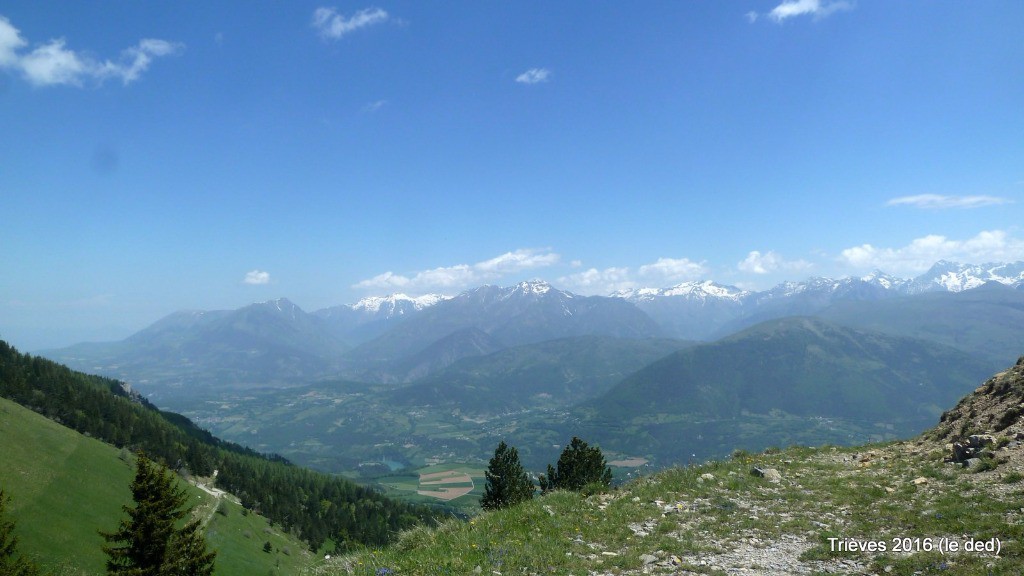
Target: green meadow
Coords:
[[65, 487]]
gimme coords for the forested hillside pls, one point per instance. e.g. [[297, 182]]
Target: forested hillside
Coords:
[[316, 506]]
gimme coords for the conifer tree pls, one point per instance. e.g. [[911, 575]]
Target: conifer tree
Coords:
[[148, 542], [11, 563], [507, 483], [578, 466]]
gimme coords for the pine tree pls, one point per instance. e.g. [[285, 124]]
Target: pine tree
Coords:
[[148, 543], [507, 483], [11, 563], [578, 466]]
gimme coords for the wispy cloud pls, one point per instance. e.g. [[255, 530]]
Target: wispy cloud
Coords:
[[770, 261], [939, 202], [816, 8], [921, 253], [751, 16], [332, 25], [461, 276], [534, 76], [52, 63], [257, 277], [374, 106]]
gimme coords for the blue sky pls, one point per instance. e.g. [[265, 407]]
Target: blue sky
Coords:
[[167, 156]]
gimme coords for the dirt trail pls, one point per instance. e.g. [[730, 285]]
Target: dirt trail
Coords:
[[218, 496]]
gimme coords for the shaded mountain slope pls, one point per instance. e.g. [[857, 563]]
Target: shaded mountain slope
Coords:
[[987, 321], [556, 373], [783, 381]]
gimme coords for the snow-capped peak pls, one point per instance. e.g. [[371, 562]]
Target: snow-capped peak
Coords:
[[536, 287], [397, 303], [954, 277], [700, 290], [706, 289], [882, 279]]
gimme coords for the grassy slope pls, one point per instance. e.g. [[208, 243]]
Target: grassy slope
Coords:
[[64, 487], [718, 517]]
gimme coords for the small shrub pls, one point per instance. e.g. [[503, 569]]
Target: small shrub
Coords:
[[592, 488], [1012, 477], [1008, 418], [987, 463], [739, 454]]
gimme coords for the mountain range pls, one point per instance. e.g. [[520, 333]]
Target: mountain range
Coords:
[[706, 310], [666, 374], [401, 339]]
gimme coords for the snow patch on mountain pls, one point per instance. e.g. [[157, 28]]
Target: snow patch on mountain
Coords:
[[879, 278], [955, 277], [701, 291], [533, 288], [397, 304], [282, 305]]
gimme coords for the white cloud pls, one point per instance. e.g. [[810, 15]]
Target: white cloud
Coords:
[[534, 76], [674, 269], [332, 25], [462, 276], [519, 260], [751, 16], [594, 281], [938, 202], [387, 281], [816, 8], [659, 274], [921, 253], [52, 63], [770, 261], [135, 60], [10, 42], [257, 277]]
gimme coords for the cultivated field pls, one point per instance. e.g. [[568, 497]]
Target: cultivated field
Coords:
[[446, 485]]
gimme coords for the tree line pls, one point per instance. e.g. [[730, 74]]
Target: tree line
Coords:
[[314, 506]]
